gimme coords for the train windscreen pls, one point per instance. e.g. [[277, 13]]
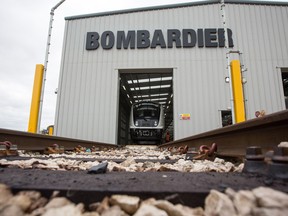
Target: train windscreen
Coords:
[[146, 111]]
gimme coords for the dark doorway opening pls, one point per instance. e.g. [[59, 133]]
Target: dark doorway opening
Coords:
[[226, 117], [136, 85], [285, 86]]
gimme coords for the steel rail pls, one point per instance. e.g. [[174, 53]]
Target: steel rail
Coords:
[[267, 132], [31, 141]]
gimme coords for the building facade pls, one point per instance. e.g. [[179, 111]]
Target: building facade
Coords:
[[186, 42]]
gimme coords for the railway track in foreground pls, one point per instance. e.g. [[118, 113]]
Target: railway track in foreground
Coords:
[[266, 132], [187, 188]]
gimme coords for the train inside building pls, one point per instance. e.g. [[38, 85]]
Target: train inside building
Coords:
[[146, 122]]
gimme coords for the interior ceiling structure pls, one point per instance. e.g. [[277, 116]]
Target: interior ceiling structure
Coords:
[[156, 87]]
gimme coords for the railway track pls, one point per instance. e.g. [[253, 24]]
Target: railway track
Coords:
[[266, 132], [38, 142], [185, 187]]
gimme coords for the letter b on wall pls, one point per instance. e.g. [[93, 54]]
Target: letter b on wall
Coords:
[[92, 41]]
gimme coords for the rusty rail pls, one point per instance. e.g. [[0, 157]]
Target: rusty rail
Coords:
[[267, 132], [31, 141]]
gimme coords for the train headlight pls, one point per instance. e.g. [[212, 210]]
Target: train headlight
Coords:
[[136, 123], [155, 123]]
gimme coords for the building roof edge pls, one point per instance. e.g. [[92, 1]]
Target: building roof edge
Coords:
[[162, 7]]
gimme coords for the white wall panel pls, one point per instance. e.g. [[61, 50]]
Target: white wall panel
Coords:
[[87, 95]]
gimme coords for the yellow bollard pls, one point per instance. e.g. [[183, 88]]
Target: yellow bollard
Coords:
[[237, 87], [36, 94], [50, 130]]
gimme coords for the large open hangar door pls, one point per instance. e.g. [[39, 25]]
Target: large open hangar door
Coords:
[[144, 85]]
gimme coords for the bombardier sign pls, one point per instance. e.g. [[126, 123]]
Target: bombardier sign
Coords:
[[141, 39]]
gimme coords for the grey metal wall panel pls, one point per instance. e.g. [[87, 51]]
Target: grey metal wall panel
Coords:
[[88, 85], [261, 33]]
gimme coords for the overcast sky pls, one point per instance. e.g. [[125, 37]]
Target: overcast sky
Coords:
[[24, 27]]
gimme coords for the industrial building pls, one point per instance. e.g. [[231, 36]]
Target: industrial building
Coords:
[[178, 55]]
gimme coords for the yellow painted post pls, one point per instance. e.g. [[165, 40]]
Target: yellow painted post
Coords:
[[50, 130], [237, 87], [36, 94]]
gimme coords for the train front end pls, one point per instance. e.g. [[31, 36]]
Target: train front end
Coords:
[[146, 123]]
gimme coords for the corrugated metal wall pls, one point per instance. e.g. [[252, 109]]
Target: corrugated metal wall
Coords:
[[87, 102]]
